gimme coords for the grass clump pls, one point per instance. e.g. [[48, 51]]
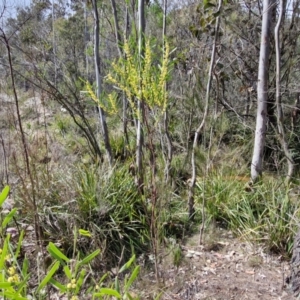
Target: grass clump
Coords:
[[70, 278], [265, 214]]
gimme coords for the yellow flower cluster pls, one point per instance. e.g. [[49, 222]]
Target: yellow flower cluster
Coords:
[[142, 79], [110, 108], [13, 276], [72, 285]]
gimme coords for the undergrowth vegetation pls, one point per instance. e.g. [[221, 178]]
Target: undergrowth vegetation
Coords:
[[266, 213]]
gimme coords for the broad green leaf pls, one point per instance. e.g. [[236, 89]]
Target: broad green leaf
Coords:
[[68, 272], [48, 276], [62, 288], [128, 264], [9, 217], [89, 257], [56, 253], [4, 194], [109, 292], [132, 278], [5, 285], [84, 232]]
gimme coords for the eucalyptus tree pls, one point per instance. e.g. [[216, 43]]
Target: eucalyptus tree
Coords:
[[262, 92], [280, 118], [99, 83]]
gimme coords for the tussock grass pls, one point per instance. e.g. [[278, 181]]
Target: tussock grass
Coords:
[[266, 213]]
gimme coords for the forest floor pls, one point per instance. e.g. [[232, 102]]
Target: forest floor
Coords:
[[223, 268]]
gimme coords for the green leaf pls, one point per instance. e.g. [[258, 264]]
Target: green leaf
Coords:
[[80, 281], [56, 253], [4, 252], [117, 285], [132, 278], [128, 264], [17, 252], [207, 4], [5, 285], [89, 257], [109, 292], [25, 267], [48, 276], [62, 288], [9, 217], [68, 272], [4, 194], [13, 295], [84, 232]]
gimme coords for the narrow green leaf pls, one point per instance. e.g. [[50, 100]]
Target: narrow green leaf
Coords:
[[103, 278], [117, 285], [48, 276], [89, 257], [5, 285], [109, 292], [62, 288], [132, 278], [4, 251], [129, 296], [13, 295], [56, 253], [4, 194], [17, 252], [23, 284], [84, 232], [80, 281], [68, 272], [128, 264], [9, 217], [25, 267]]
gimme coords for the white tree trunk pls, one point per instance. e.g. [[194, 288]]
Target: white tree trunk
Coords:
[[98, 82], [262, 93], [139, 129], [280, 125]]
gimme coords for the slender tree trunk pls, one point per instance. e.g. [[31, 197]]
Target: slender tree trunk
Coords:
[[119, 43], [139, 129], [166, 118], [98, 82], [201, 126], [280, 126], [262, 93], [54, 44]]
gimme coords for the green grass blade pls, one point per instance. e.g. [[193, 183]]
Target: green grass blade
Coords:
[[8, 218], [48, 276], [90, 257], [108, 292], [128, 264], [132, 278], [56, 253], [68, 272], [4, 194], [62, 288]]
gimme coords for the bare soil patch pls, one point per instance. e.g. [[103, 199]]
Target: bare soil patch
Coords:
[[223, 268]]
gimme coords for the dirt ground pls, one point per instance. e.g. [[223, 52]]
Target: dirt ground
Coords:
[[223, 268]]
